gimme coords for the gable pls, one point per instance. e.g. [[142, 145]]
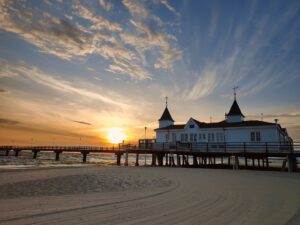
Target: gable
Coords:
[[191, 124]]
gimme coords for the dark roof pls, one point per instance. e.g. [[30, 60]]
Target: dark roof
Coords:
[[222, 124], [166, 115], [235, 109], [172, 127]]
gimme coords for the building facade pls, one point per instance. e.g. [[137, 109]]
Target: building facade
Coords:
[[233, 129]]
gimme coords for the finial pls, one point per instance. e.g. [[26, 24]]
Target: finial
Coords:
[[166, 101], [234, 91]]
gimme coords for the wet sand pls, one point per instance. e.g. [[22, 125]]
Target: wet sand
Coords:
[[139, 195]]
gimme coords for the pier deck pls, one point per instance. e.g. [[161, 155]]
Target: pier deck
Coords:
[[224, 155]]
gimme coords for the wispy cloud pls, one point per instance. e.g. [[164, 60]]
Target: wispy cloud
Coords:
[[70, 39], [169, 7], [4, 121], [55, 83], [82, 122], [105, 5]]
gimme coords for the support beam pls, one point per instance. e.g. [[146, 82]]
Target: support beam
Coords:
[[126, 158], [118, 159], [57, 153], [84, 155], [292, 163], [153, 163], [17, 153], [35, 154], [178, 160], [137, 160], [7, 153]]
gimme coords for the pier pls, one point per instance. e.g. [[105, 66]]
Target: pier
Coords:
[[198, 155]]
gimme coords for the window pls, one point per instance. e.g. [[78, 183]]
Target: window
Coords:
[[182, 137], [186, 137], [173, 137], [204, 136], [200, 137], [167, 137], [195, 137], [208, 137], [192, 126], [212, 137], [255, 136], [191, 137]]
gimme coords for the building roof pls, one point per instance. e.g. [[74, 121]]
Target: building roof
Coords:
[[222, 124], [172, 127], [235, 110], [166, 115]]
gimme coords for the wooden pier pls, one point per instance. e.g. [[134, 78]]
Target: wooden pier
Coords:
[[200, 155]]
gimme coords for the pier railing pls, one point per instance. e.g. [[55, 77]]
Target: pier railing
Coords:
[[226, 146]]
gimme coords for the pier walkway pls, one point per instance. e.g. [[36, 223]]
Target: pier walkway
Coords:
[[206, 155]]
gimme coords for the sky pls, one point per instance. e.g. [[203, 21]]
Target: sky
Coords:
[[80, 72]]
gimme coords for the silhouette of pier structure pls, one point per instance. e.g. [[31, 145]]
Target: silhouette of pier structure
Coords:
[[234, 155]]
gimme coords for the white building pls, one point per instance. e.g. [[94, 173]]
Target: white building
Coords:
[[233, 129]]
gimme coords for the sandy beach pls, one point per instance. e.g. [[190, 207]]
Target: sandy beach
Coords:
[[145, 195]]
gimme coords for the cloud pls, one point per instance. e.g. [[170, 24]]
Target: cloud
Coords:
[[3, 91], [70, 38], [81, 122], [204, 85], [105, 5], [136, 8], [149, 39], [49, 80], [169, 7], [4, 121]]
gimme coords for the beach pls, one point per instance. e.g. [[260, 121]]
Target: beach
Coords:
[[147, 195]]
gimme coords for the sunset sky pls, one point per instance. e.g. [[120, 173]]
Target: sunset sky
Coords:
[[73, 72]]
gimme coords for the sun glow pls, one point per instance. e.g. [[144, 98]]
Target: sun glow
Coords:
[[115, 135]]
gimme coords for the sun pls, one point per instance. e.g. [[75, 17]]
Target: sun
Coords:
[[115, 135]]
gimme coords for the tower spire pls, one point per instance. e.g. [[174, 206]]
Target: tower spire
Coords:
[[234, 91], [166, 101]]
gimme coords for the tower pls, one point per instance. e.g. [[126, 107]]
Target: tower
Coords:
[[235, 114], [166, 118]]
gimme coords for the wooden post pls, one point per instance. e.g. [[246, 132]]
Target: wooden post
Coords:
[[292, 163], [228, 160], [246, 162], [137, 160], [236, 162], [222, 160], [258, 160], [207, 146], [244, 144], [7, 153], [167, 160], [16, 153], [195, 162], [267, 162], [178, 160], [57, 153], [153, 163], [126, 158], [118, 159], [84, 154], [35, 154]]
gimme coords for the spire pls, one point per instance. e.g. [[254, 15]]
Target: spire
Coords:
[[234, 91], [166, 114], [235, 109]]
